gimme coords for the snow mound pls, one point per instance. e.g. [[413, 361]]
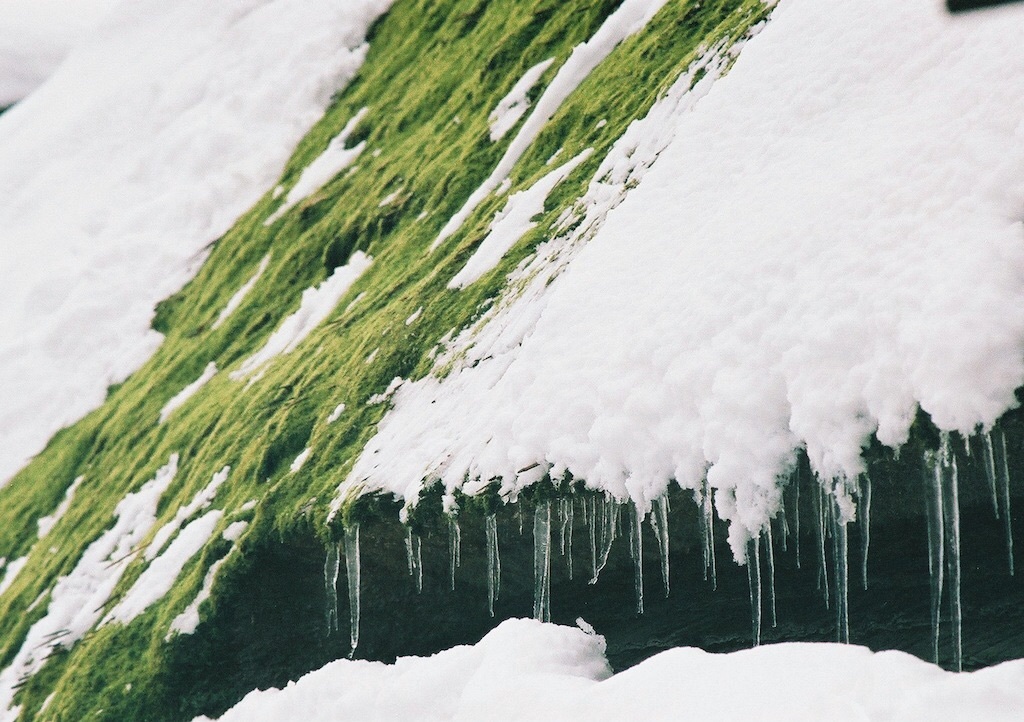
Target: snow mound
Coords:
[[832, 239], [525, 670]]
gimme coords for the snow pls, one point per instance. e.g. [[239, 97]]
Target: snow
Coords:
[[335, 158], [188, 621], [162, 572], [415, 315], [36, 35], [336, 413], [47, 523], [512, 107], [236, 300], [188, 392], [11, 572], [200, 501], [235, 530], [830, 239], [77, 600], [525, 670], [513, 222], [299, 460], [159, 129], [316, 305], [630, 18]]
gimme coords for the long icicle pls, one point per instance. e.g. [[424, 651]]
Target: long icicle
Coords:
[[708, 527], [493, 562], [567, 533], [332, 566], [796, 512], [770, 557], [609, 527], [454, 548], [990, 470], [821, 513], [864, 513], [414, 557], [754, 583], [542, 562], [591, 503], [1004, 488], [936, 543], [840, 558], [354, 583], [660, 516], [636, 548], [951, 515]]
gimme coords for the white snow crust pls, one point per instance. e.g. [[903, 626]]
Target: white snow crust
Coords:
[[629, 19], [11, 571], [831, 238], [162, 572], [316, 305], [47, 523], [203, 498], [513, 222], [179, 399], [236, 300], [335, 158], [511, 108], [526, 670], [77, 600], [142, 148]]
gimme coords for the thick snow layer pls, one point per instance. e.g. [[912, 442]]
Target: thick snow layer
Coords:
[[629, 19], [832, 238], [162, 572], [512, 222], [316, 305], [47, 523], [335, 158], [236, 300], [77, 600], [179, 399], [144, 147], [525, 670], [511, 108], [36, 35]]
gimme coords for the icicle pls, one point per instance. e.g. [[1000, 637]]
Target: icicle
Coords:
[[951, 518], [936, 562], [332, 565], [352, 572], [708, 529], [784, 522], [990, 471], [609, 527], [567, 534], [659, 520], [840, 558], [636, 550], [414, 557], [493, 562], [542, 562], [770, 554], [821, 513], [591, 505], [864, 514], [454, 547], [754, 582], [796, 513], [1003, 477]]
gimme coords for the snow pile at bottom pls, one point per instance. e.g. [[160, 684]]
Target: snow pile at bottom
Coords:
[[526, 670]]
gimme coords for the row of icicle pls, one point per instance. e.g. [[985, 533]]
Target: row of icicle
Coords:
[[601, 517]]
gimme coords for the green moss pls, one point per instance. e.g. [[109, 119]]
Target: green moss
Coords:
[[434, 72]]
